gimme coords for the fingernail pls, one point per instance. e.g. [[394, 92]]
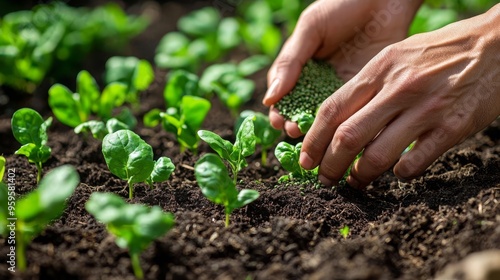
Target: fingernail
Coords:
[[353, 182], [325, 181], [306, 161], [270, 92]]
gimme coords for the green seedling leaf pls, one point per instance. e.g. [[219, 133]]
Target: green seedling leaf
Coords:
[[136, 74], [245, 139], [253, 64], [289, 155], [223, 147], [265, 134], [35, 154], [113, 95], [238, 92], [235, 155], [65, 106], [128, 156], [100, 129], [214, 73], [228, 35], [88, 92], [46, 203], [162, 170], [216, 185], [200, 22], [97, 128], [27, 127], [172, 52], [134, 226], [180, 83], [344, 231], [127, 118], [30, 130], [304, 121], [131, 159], [152, 118], [184, 121]]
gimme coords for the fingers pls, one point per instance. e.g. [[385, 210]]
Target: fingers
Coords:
[[427, 149], [286, 69], [385, 150], [334, 111], [278, 122]]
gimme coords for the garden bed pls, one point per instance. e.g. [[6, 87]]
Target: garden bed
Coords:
[[398, 230]]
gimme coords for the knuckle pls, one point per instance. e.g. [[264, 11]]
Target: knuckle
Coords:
[[348, 136], [377, 160], [330, 111]]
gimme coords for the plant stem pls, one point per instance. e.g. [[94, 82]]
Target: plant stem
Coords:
[[136, 265], [39, 169], [263, 157], [227, 219], [130, 190], [20, 251]]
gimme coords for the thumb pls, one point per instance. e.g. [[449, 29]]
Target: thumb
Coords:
[[296, 51]]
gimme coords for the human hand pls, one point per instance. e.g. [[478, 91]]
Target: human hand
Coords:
[[345, 33], [437, 88]]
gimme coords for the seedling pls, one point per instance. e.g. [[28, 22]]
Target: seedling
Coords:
[[229, 83], [265, 134], [54, 38], [134, 226], [99, 129], [216, 185], [344, 231], [186, 110], [73, 109], [288, 155], [316, 83], [258, 30], [37, 209], [131, 159], [30, 130], [203, 37], [183, 122], [234, 154], [136, 74]]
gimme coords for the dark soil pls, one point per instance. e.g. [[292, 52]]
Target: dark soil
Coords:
[[398, 230]]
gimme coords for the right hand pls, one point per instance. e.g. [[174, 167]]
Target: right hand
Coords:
[[345, 33]]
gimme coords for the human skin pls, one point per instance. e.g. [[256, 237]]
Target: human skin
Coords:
[[436, 88]]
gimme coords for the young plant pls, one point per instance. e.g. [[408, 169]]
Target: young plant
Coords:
[[73, 109], [131, 159], [136, 74], [288, 155], [99, 129], [53, 39], [134, 226], [186, 110], [37, 209], [258, 30], [30, 130], [203, 37], [344, 231], [229, 83], [265, 134], [216, 185], [234, 154], [316, 83]]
